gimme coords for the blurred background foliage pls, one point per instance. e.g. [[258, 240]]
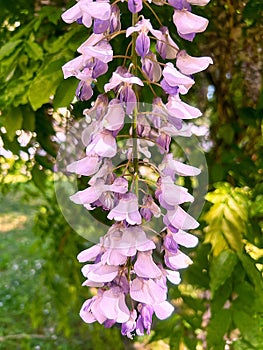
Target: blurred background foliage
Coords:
[[219, 305]]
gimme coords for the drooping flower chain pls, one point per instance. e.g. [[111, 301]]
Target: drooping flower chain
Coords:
[[130, 268]]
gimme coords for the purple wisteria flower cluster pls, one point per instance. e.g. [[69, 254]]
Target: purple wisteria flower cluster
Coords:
[[129, 266]]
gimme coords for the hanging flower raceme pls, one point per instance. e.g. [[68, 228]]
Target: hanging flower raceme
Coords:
[[132, 264]]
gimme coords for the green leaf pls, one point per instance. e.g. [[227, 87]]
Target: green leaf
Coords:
[[248, 299], [243, 345], [65, 92], [8, 48], [175, 339], [253, 10], [13, 120], [28, 118], [217, 328], [232, 235], [222, 268], [213, 235], [226, 132], [166, 328], [45, 83], [34, 50], [51, 13], [249, 327], [252, 271], [39, 178], [221, 296]]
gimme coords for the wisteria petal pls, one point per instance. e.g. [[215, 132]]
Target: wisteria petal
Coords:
[[180, 219], [135, 6], [114, 307], [97, 9], [163, 310], [176, 79], [198, 2], [126, 209], [72, 14], [89, 195], [188, 23], [89, 254], [190, 65], [142, 45], [147, 291], [73, 67], [85, 312], [102, 273], [145, 266], [185, 239], [114, 119], [177, 261], [86, 166], [176, 107], [173, 276], [104, 145]]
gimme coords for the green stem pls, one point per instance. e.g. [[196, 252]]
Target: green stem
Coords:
[[135, 112]]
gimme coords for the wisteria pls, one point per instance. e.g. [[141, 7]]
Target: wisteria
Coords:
[[133, 261]]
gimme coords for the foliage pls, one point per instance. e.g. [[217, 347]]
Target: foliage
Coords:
[[220, 301]]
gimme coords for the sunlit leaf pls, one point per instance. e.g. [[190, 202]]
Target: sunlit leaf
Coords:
[[13, 120], [221, 269]]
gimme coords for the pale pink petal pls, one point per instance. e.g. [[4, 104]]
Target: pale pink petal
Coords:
[[134, 217], [178, 260], [86, 166], [172, 167], [127, 209], [123, 312], [102, 273], [97, 311], [179, 109], [173, 276], [173, 194], [133, 239], [175, 78], [89, 195], [139, 291], [99, 9], [198, 2], [88, 283], [117, 79], [145, 266], [93, 40], [120, 185], [185, 239], [147, 291], [89, 254], [114, 119], [189, 65], [87, 20], [104, 145], [113, 257], [187, 22], [144, 25], [114, 307], [72, 14], [73, 67], [180, 219], [104, 55], [85, 312], [163, 310]]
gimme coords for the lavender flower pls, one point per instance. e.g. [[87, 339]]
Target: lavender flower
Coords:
[[123, 265]]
